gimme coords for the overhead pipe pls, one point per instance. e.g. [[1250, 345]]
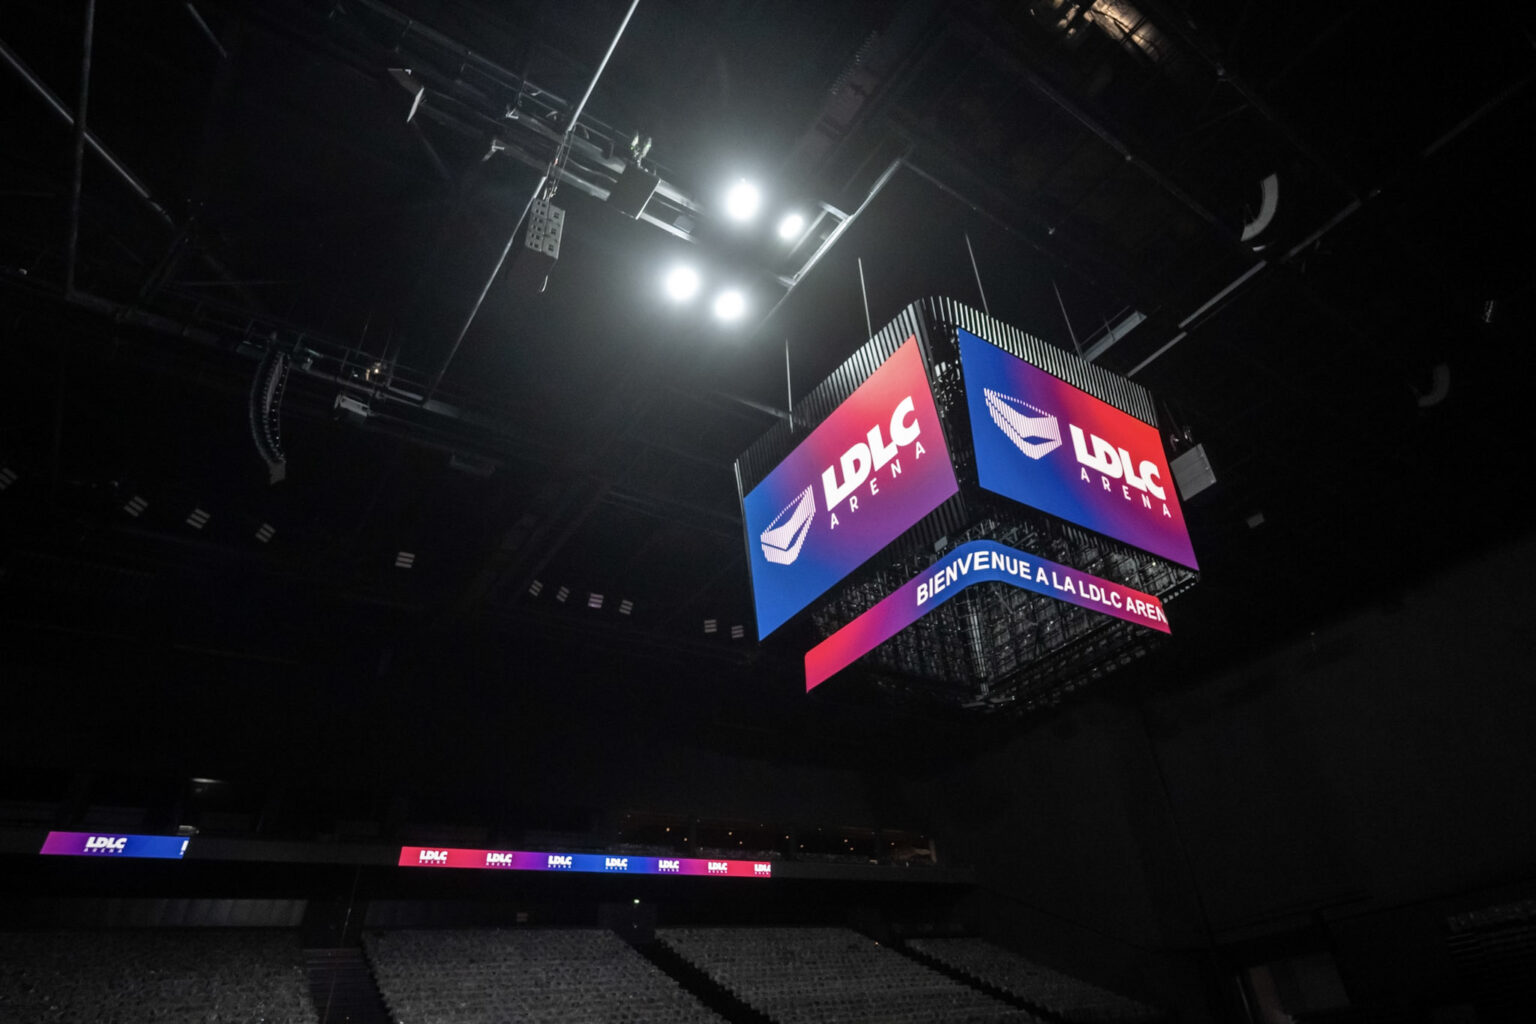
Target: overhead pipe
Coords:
[[836, 233], [400, 427], [1103, 133], [1185, 29], [1344, 213], [48, 96], [208, 33], [11, 59], [79, 147], [549, 172]]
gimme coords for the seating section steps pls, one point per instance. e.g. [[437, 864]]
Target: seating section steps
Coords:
[[342, 987], [532, 975], [812, 975], [178, 976], [708, 991], [1058, 995]]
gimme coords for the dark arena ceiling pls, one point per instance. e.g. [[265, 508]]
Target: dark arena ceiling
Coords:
[[266, 177]]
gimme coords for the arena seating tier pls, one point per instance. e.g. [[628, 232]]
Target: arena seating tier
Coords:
[[1057, 993], [172, 976], [816, 975], [533, 975]]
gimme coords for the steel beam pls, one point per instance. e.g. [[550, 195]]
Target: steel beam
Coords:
[[73, 240]]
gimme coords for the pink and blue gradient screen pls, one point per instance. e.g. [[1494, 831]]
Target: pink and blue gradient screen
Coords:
[[1055, 482], [97, 844], [590, 863], [897, 501], [969, 564]]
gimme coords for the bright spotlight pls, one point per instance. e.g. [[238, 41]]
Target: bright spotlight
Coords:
[[791, 226], [682, 283], [742, 201], [730, 305]]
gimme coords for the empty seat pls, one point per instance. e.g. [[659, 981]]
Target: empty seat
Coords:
[[831, 974], [176, 976], [1067, 997], [537, 975]]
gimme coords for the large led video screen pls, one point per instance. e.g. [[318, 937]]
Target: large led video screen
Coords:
[[590, 863], [967, 565], [95, 844], [869, 471], [1050, 445]]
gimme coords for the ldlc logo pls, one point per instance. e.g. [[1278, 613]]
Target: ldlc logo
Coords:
[[1116, 463], [785, 536], [1039, 435], [1036, 436], [106, 844]]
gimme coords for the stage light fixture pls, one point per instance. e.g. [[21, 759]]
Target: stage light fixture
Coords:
[[265, 532], [595, 601], [730, 305], [742, 200], [404, 560], [711, 625], [791, 226], [626, 607], [198, 519], [682, 283], [7, 477], [135, 506], [536, 588], [562, 594]]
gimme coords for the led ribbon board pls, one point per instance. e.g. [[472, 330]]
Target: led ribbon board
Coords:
[[591, 863], [95, 844], [869, 471], [1045, 443], [980, 561]]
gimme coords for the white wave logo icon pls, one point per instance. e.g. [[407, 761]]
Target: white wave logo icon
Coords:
[[786, 534], [1036, 436]]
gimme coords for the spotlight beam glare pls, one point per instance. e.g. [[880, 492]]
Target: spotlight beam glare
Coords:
[[742, 200], [682, 283], [730, 305]]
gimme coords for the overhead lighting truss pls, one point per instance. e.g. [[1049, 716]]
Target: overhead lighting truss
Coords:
[[448, 84]]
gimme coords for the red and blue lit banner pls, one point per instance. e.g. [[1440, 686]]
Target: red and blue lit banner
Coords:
[[979, 561], [1045, 443], [590, 863], [96, 844], [869, 471]]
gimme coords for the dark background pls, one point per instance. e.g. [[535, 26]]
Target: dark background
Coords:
[[1333, 751]]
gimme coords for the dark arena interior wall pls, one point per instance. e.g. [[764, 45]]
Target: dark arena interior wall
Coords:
[[1350, 790], [342, 738]]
